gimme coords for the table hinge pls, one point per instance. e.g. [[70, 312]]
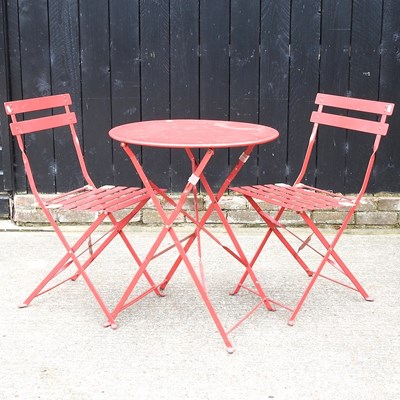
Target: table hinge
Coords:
[[244, 157], [193, 179]]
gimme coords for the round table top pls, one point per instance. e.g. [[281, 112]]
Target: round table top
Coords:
[[193, 133]]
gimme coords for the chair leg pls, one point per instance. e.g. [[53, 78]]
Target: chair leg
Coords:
[[308, 289], [335, 256], [65, 261], [274, 224], [330, 247], [71, 257], [273, 228], [81, 269], [118, 226], [122, 303], [38, 290], [134, 255]]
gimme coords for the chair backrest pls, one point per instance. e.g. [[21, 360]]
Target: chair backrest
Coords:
[[360, 122], [27, 118]]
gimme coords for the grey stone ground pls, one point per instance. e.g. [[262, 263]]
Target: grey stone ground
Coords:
[[341, 346]]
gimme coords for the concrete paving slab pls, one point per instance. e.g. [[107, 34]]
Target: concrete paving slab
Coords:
[[341, 346]]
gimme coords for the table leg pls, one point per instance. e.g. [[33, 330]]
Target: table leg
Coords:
[[168, 220], [201, 224]]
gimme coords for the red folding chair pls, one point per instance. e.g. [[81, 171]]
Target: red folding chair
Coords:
[[304, 199], [27, 118]]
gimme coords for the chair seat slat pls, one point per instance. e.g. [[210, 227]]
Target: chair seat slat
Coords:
[[295, 198], [105, 198]]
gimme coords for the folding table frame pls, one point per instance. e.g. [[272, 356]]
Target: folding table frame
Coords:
[[198, 167], [53, 114], [339, 112]]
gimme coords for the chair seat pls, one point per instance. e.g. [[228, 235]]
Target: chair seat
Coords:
[[105, 198], [298, 198]]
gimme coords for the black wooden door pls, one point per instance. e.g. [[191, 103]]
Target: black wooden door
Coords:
[[259, 61]]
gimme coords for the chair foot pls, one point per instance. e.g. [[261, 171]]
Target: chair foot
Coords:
[[369, 298], [290, 323], [23, 305], [230, 350], [111, 325], [235, 291]]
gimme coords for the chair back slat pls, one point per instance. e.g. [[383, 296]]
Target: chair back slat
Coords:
[[354, 104], [37, 104], [42, 123], [355, 124]]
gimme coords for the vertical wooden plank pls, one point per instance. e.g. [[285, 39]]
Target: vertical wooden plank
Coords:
[[214, 76], [35, 52], [334, 79], [214, 59], [95, 75], [36, 81], [274, 87], [184, 36], [20, 183], [155, 79], [3, 94], [387, 168], [304, 75], [6, 159], [244, 75], [125, 80], [244, 66], [364, 81], [43, 61], [65, 77]]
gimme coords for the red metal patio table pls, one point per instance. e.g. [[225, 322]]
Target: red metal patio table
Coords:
[[189, 134]]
